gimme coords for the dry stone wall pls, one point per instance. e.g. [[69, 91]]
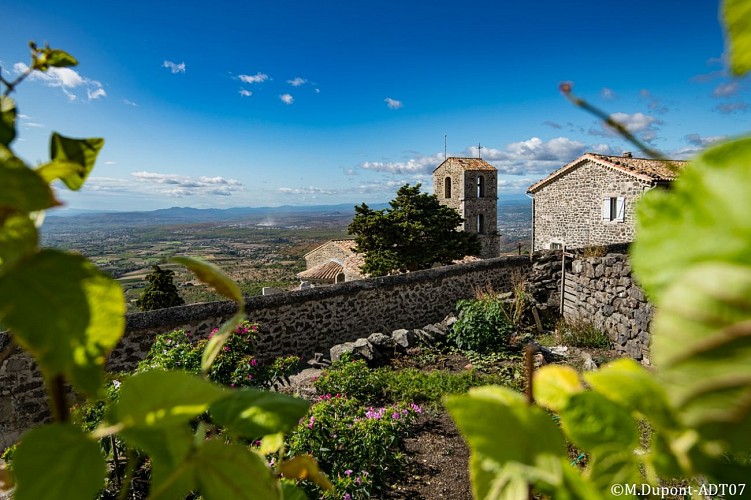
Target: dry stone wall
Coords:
[[296, 323], [601, 290]]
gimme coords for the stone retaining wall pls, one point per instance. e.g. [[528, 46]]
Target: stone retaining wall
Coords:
[[295, 323]]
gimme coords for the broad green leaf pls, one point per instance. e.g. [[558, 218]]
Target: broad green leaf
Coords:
[[625, 382], [57, 462], [290, 491], [172, 473], [305, 467], [252, 413], [22, 189], [72, 160], [82, 320], [485, 416], [554, 384], [215, 343], [7, 120], [702, 344], [232, 471], [18, 238], [704, 217], [57, 58], [737, 17], [271, 443], [591, 420], [614, 465], [214, 276], [164, 398]]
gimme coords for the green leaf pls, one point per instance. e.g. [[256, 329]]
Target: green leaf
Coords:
[[82, 320], [290, 491], [305, 467], [626, 383], [214, 276], [59, 58], [57, 462], [704, 217], [615, 465], [484, 417], [72, 160], [215, 343], [554, 384], [702, 344], [232, 471], [591, 420], [172, 474], [164, 398], [18, 238], [22, 189], [7, 120], [737, 19], [252, 413]]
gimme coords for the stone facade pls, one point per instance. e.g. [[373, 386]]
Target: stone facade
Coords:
[[470, 186], [300, 323], [592, 200], [601, 290], [340, 252]]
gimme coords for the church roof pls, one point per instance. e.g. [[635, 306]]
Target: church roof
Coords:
[[642, 168], [466, 164], [346, 245], [326, 271]]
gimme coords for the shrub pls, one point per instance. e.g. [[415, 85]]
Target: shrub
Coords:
[[351, 441], [353, 379], [483, 325]]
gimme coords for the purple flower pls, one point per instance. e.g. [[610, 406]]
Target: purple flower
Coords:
[[348, 472], [415, 408], [395, 415], [347, 496], [311, 421]]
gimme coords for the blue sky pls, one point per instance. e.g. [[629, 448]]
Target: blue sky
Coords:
[[220, 104]]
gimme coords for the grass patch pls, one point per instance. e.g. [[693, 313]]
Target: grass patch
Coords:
[[581, 333]]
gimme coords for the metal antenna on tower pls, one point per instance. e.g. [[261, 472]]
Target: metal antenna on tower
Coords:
[[479, 151]]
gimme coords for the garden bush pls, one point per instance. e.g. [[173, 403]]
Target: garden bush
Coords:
[[483, 325]]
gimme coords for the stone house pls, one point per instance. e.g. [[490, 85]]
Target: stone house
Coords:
[[470, 186], [333, 262], [591, 200]]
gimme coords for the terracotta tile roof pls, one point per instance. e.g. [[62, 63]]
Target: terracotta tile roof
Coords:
[[467, 164], [346, 245], [352, 265], [642, 168], [327, 271]]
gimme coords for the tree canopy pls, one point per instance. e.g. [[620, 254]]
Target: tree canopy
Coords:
[[415, 233], [161, 291]]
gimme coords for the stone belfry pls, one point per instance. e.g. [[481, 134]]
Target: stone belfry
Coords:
[[470, 186]]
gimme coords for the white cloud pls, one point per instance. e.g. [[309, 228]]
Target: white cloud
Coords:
[[308, 190], [95, 94], [698, 140], [33, 125], [726, 89], [65, 79], [245, 93], [181, 185], [732, 107], [419, 165], [297, 81], [643, 126], [174, 67], [653, 103], [317, 91], [607, 94], [257, 78], [130, 103], [287, 98], [110, 162], [393, 103]]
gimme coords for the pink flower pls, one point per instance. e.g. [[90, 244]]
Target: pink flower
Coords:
[[348, 472], [311, 421], [253, 362]]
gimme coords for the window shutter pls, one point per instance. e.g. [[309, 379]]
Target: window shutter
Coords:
[[620, 214], [606, 209]]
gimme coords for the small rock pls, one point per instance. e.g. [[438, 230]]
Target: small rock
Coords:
[[589, 364], [336, 352], [403, 338], [469, 366]]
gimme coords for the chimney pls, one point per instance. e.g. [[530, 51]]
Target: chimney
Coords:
[[627, 154]]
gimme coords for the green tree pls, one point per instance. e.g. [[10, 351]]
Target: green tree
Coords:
[[161, 291], [415, 233]]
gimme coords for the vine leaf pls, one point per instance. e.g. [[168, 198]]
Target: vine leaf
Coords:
[[704, 217], [233, 471], [22, 189], [737, 17], [57, 462], [7, 120], [72, 160], [526, 455], [252, 413], [82, 320], [212, 275], [305, 467], [702, 344], [553, 385], [18, 238], [591, 420], [159, 399]]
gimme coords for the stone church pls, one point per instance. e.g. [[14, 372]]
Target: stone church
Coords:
[[470, 186]]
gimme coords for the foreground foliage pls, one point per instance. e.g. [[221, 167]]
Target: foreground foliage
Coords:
[[691, 256], [415, 233], [82, 322]]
